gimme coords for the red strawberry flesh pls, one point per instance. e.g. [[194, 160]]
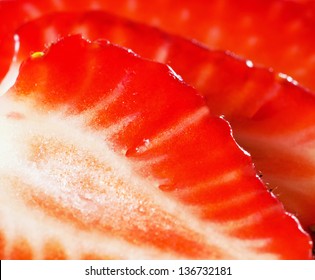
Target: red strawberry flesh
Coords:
[[102, 147], [261, 105]]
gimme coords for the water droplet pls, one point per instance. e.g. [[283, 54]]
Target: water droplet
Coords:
[[249, 64]]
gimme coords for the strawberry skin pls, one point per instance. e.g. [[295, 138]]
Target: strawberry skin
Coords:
[[273, 33], [260, 104], [113, 156]]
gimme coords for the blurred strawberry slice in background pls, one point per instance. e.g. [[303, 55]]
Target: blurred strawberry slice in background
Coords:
[[274, 33]]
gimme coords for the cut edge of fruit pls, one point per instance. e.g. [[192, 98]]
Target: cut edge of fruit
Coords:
[[162, 199]]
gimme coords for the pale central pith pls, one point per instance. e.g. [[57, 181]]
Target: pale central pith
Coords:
[[62, 158]]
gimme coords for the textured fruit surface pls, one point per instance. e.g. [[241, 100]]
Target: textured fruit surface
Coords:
[[112, 156], [264, 108], [273, 33]]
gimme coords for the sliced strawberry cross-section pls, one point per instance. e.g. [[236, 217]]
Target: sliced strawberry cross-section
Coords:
[[260, 104], [109, 155]]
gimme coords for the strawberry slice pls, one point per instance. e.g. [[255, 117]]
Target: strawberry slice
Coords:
[[231, 87], [109, 155], [274, 33]]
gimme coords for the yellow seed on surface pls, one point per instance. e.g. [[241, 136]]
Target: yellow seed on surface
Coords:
[[37, 54]]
